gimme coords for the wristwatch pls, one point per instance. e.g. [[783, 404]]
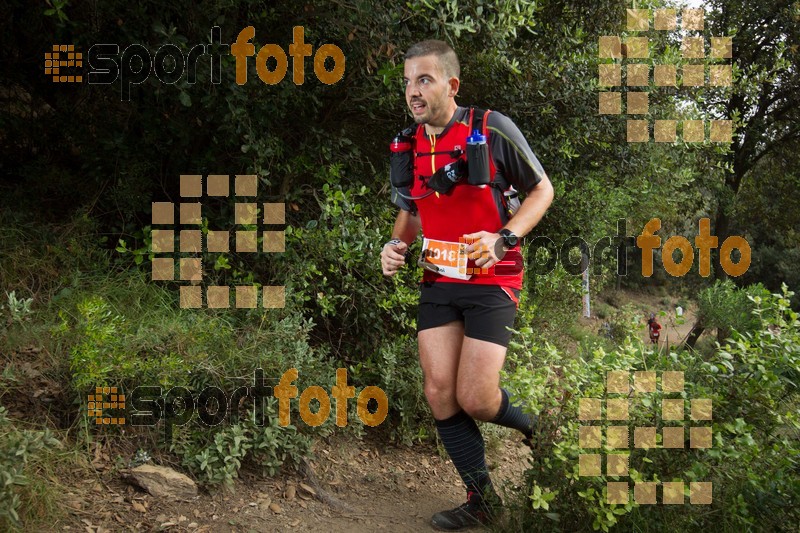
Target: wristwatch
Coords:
[[509, 239], [396, 241]]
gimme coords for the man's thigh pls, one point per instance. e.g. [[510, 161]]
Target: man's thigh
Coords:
[[440, 333], [439, 352], [462, 339], [479, 368], [489, 312]]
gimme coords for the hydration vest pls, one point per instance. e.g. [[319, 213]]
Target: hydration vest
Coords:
[[464, 208]]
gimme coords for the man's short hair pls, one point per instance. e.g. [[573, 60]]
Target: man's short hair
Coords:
[[444, 53]]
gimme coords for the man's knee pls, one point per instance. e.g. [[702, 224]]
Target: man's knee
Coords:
[[439, 392], [478, 404]]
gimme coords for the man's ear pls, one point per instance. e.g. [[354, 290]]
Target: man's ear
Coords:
[[453, 85]]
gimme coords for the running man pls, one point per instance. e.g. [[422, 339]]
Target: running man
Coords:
[[653, 328], [462, 319]]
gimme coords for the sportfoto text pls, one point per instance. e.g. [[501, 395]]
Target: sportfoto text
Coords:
[[176, 407], [648, 241], [135, 65]]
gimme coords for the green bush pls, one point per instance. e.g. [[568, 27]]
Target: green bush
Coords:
[[602, 310], [112, 349], [134, 336], [752, 382], [334, 275], [545, 301], [401, 380], [216, 457], [624, 323], [723, 307], [18, 448], [128, 333]]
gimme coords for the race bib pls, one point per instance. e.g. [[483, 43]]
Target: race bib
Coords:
[[445, 258]]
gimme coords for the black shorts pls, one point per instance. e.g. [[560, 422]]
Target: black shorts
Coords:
[[487, 311]]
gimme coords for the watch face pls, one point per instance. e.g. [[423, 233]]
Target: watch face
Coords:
[[509, 238]]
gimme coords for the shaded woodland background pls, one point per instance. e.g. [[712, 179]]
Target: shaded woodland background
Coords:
[[80, 168]]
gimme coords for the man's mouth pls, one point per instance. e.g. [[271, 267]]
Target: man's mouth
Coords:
[[417, 107]]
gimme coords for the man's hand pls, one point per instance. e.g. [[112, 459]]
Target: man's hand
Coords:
[[393, 256], [487, 249]]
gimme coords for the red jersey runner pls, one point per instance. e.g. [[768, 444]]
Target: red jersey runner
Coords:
[[464, 208]]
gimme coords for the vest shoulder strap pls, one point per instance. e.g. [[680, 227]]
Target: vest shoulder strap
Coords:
[[477, 119]]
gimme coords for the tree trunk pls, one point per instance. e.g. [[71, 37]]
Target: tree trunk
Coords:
[[697, 330], [723, 334]]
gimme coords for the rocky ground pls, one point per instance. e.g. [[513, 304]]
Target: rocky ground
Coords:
[[349, 486]]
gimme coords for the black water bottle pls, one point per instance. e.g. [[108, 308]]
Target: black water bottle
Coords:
[[477, 159], [401, 162]]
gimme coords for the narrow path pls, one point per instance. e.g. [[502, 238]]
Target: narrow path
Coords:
[[356, 486]]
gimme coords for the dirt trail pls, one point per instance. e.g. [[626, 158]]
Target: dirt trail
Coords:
[[355, 485], [672, 332], [363, 486]]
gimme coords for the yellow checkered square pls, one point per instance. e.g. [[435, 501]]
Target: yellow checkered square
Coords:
[[610, 46], [672, 409], [617, 492], [617, 464], [638, 19], [666, 19], [617, 437], [618, 382], [589, 437], [590, 409], [672, 493], [589, 464], [609, 75], [617, 409]]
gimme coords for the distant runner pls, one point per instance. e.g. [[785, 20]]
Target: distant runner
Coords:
[[653, 328]]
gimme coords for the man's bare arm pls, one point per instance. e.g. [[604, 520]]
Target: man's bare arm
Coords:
[[532, 209], [406, 227], [528, 215]]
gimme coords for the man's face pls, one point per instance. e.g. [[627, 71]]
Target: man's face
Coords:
[[429, 92]]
